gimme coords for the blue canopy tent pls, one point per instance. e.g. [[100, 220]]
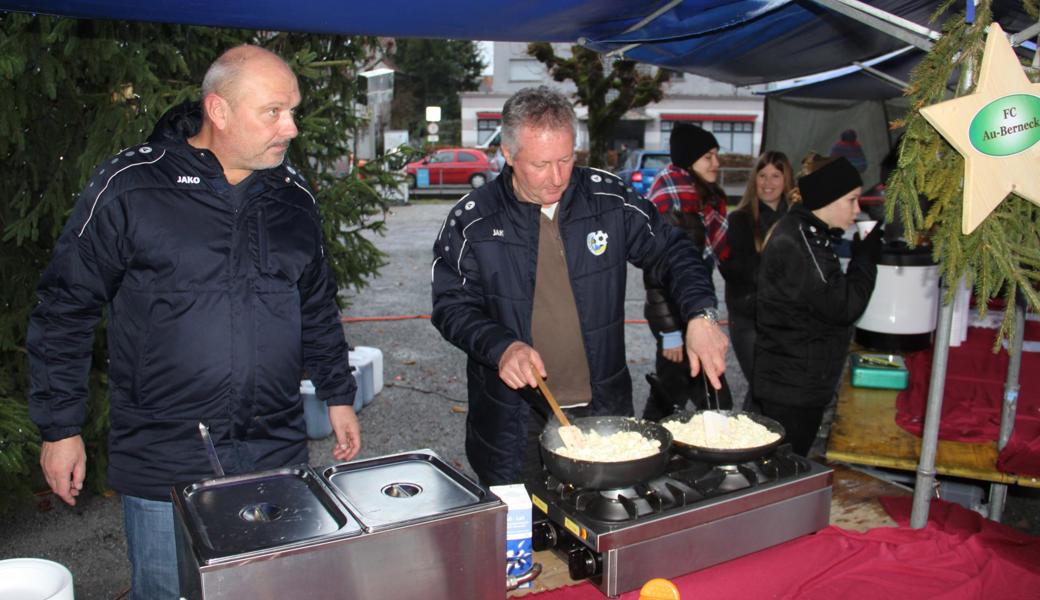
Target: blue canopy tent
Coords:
[[742, 42]]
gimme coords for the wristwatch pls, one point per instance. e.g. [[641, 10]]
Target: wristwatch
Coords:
[[711, 314]]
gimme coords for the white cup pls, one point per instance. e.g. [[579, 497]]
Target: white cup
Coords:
[[34, 579], [865, 227]]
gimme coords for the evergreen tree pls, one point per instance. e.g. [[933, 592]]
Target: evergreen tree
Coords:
[[594, 81], [75, 92], [1002, 255], [432, 73]]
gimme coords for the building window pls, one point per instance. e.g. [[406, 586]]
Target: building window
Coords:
[[486, 127], [667, 125], [525, 69], [735, 137]]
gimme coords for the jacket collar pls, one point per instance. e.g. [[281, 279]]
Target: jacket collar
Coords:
[[814, 226], [516, 206], [781, 209], [184, 121]]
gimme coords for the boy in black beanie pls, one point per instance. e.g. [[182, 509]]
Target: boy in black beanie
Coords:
[[806, 304]]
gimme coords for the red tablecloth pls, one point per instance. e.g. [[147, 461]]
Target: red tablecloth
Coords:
[[957, 556], [973, 396]]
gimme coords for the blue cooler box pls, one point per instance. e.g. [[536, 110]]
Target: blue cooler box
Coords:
[[368, 372]]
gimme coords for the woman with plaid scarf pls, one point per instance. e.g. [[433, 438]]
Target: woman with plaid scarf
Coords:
[[686, 192]]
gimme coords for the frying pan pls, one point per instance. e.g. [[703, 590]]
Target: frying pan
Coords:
[[605, 475], [720, 456]]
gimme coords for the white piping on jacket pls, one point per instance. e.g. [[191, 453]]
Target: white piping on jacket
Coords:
[[813, 257], [315, 203], [632, 206], [462, 250], [98, 197]]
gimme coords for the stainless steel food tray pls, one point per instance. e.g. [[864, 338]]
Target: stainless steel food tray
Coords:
[[401, 489], [258, 511]]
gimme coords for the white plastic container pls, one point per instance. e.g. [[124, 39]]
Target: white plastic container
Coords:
[[315, 412], [34, 579], [368, 372]]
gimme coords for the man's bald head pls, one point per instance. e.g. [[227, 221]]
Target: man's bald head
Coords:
[[225, 74], [249, 97]]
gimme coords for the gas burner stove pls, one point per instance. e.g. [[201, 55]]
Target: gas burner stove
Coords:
[[685, 482], [694, 516]]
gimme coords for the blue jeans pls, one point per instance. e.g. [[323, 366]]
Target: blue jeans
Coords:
[[151, 548]]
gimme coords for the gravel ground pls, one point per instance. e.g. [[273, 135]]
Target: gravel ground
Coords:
[[422, 405]]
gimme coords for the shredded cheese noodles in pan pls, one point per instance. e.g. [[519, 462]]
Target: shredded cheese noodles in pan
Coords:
[[741, 432], [616, 447]]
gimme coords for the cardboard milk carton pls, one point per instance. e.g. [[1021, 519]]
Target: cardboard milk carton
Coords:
[[519, 556]]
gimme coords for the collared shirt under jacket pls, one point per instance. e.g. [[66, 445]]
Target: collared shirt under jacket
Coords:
[[485, 260]]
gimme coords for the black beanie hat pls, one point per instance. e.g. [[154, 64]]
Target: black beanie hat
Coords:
[[688, 143], [828, 183]]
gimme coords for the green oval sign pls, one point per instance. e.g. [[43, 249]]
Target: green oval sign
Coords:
[[1006, 126]]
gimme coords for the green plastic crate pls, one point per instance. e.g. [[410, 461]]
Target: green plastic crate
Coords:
[[884, 371]]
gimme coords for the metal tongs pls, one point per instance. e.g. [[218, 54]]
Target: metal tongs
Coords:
[[716, 424], [211, 450]]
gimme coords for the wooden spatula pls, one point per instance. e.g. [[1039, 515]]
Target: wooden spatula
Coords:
[[572, 436]]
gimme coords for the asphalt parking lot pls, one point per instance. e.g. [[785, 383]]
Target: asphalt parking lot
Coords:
[[422, 405]]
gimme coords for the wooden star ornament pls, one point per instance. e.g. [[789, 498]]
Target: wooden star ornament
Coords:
[[996, 129]]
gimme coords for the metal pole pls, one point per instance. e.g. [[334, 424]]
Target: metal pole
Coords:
[[930, 435], [998, 491], [898, 27], [937, 384]]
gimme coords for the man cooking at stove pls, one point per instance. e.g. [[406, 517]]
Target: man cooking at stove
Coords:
[[206, 245], [529, 271]]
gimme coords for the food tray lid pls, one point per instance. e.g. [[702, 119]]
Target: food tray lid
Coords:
[[240, 514], [401, 489]]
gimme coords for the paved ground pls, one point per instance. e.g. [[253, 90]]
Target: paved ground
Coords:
[[422, 406]]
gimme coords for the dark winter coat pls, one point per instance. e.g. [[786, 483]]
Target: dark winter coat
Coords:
[[214, 312], [662, 315], [806, 307], [741, 268], [484, 266]]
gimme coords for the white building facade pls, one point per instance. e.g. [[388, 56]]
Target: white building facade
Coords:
[[734, 115]]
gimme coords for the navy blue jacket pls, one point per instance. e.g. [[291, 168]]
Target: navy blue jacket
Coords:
[[484, 266], [214, 312]]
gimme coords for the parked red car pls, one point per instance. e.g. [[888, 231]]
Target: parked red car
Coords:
[[452, 166]]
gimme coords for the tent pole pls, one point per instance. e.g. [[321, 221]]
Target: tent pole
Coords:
[[881, 75], [998, 491], [937, 384], [930, 435], [885, 22], [646, 21]]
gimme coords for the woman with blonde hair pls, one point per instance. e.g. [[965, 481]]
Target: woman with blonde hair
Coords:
[[806, 305], [766, 199]]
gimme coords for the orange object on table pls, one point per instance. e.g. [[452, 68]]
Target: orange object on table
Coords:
[[659, 589]]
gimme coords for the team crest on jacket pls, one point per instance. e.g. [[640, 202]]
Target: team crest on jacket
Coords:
[[597, 242]]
